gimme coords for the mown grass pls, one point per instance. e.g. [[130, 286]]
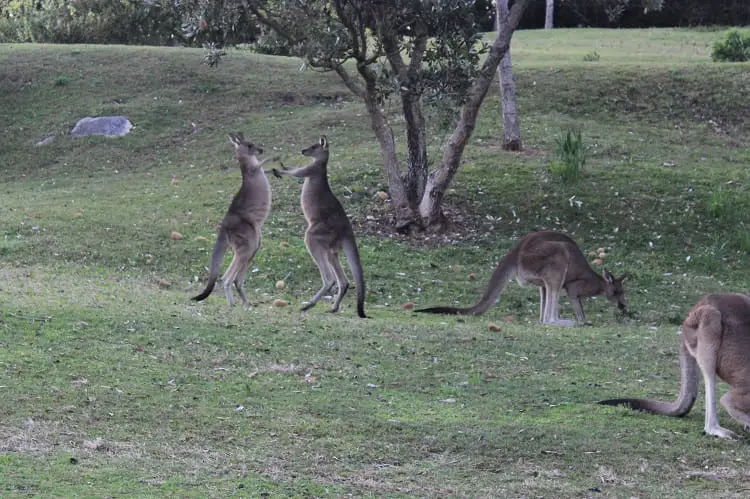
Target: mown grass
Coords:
[[114, 384]]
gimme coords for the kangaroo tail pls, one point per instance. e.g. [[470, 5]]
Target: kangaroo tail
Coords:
[[352, 256], [504, 271], [216, 258], [688, 391]]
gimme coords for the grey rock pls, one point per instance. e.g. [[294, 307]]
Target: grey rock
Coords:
[[109, 126]]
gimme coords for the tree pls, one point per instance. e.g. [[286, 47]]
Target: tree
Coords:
[[421, 52], [511, 129], [549, 14]]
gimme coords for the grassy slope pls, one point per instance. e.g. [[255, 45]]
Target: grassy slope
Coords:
[[195, 399]]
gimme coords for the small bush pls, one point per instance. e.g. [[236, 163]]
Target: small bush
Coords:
[[734, 48], [591, 57], [571, 155], [61, 81]]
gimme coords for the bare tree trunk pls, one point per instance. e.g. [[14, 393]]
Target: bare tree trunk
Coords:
[[440, 178], [549, 15], [511, 129], [401, 205], [416, 129]]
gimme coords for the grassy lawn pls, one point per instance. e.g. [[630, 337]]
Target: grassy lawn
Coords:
[[113, 383]]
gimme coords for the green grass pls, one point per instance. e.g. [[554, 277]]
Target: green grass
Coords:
[[197, 400]]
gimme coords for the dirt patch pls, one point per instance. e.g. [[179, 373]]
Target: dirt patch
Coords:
[[463, 224]]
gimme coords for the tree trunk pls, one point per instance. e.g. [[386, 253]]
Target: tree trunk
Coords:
[[402, 208], [549, 15], [439, 180], [511, 129]]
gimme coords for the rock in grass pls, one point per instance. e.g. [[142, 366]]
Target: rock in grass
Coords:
[[109, 126]]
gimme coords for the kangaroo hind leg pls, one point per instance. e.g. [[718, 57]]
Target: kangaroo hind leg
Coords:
[[706, 353], [229, 277], [341, 281], [737, 403], [542, 303], [319, 254], [552, 306], [246, 257]]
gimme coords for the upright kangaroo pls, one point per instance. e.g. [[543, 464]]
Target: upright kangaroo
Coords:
[[328, 230], [240, 227], [552, 261], [715, 339]]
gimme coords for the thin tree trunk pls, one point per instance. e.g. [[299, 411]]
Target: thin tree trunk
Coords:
[[384, 133], [441, 177], [416, 130], [511, 129], [549, 15]]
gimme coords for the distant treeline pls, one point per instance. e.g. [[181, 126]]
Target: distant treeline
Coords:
[[160, 23]]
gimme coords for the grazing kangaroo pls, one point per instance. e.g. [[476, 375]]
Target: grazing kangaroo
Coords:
[[328, 230], [715, 340], [240, 227], [552, 261]]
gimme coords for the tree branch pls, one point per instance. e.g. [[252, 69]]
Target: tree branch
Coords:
[[353, 86]]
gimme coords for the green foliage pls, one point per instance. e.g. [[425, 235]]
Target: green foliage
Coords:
[[591, 57], [735, 47], [571, 153], [88, 21], [61, 80], [212, 54]]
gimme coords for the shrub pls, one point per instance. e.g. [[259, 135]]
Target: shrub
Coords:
[[591, 57], [734, 48], [571, 155]]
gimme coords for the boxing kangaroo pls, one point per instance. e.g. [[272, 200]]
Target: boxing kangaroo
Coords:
[[552, 261], [328, 230], [714, 340], [240, 227]]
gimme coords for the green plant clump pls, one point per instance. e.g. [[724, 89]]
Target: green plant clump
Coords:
[[591, 57], [571, 155], [734, 48]]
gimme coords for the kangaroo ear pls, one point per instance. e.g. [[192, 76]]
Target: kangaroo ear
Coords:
[[240, 137], [607, 275], [323, 142], [232, 139]]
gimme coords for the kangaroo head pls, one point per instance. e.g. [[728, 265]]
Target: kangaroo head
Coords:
[[614, 290], [319, 150], [243, 147]]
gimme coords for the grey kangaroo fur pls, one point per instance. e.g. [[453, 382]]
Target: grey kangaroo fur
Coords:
[[240, 227], [328, 230], [714, 340], [552, 261]]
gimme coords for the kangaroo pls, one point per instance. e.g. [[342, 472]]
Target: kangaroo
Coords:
[[552, 261], [715, 339], [240, 227], [328, 230]]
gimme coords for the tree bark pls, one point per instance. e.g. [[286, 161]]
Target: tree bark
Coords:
[[511, 129], [441, 177], [549, 15], [411, 104], [384, 133]]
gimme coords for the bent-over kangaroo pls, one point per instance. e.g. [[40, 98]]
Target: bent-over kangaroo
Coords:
[[328, 230], [240, 227], [552, 261], [715, 339]]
